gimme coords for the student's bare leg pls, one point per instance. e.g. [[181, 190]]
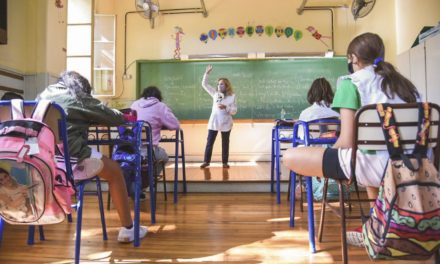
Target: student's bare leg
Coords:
[[306, 161], [113, 174], [372, 193]]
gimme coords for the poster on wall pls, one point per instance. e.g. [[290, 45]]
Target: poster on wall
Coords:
[[3, 22]]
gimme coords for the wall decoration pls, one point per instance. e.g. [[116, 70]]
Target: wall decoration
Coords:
[[231, 32], [250, 31], [268, 30], [317, 35], [297, 35], [212, 34], [204, 38], [288, 31], [259, 30], [279, 31], [240, 31], [178, 37], [222, 33]]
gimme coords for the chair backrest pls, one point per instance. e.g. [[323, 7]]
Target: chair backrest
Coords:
[[369, 135], [316, 132]]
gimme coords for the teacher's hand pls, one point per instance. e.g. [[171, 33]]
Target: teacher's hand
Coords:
[[208, 69], [221, 106]]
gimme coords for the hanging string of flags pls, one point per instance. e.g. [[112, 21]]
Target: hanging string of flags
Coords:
[[259, 30]]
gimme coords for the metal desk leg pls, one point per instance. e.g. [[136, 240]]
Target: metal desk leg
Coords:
[[176, 167], [292, 198], [277, 161], [182, 146], [311, 217], [272, 161]]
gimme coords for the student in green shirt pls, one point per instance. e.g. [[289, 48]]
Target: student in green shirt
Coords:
[[372, 80]]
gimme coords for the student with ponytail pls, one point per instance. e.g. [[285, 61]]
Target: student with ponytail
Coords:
[[372, 80]]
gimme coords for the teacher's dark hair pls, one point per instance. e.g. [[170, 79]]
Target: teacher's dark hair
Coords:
[[152, 91]]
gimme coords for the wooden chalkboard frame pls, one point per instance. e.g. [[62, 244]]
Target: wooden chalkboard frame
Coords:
[[336, 66]]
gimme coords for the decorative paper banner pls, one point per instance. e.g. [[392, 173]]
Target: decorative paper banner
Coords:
[[260, 30]]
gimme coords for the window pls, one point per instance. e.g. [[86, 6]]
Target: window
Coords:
[[79, 37], [104, 55]]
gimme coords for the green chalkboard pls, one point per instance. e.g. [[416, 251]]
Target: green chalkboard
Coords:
[[262, 87]]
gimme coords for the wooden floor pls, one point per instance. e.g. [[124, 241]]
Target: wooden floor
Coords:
[[238, 172], [212, 228]]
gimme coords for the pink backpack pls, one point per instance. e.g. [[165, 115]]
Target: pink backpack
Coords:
[[32, 189]]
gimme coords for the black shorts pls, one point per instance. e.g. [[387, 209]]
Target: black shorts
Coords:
[[331, 166]]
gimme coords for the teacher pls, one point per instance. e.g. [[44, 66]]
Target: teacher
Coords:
[[223, 108]]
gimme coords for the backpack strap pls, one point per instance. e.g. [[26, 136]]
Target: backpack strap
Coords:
[[17, 110], [390, 130], [40, 110], [421, 146], [391, 134]]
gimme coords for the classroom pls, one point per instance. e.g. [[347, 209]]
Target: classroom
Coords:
[[232, 197]]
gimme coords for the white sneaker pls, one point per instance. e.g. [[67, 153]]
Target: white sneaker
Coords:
[[87, 169], [355, 237], [127, 235]]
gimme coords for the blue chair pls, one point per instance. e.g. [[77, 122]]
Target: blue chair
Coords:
[[311, 134], [141, 135], [179, 142], [281, 133], [56, 120]]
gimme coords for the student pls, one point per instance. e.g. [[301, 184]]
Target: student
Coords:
[[150, 108], [372, 81], [10, 95], [73, 94], [223, 108], [320, 96]]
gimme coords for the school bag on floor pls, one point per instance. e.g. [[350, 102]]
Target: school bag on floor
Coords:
[[32, 189], [405, 221]]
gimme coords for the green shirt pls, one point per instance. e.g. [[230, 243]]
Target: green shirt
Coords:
[[346, 96]]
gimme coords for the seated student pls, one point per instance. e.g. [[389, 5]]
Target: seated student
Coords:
[[10, 95], [372, 81], [73, 94], [150, 108], [320, 96]]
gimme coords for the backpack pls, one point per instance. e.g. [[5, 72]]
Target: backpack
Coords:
[[405, 220], [32, 189], [125, 154]]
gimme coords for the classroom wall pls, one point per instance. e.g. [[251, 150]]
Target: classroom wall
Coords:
[[411, 17], [36, 38]]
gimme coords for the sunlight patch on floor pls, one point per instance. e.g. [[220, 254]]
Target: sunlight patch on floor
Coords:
[[282, 219], [214, 164], [283, 247]]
